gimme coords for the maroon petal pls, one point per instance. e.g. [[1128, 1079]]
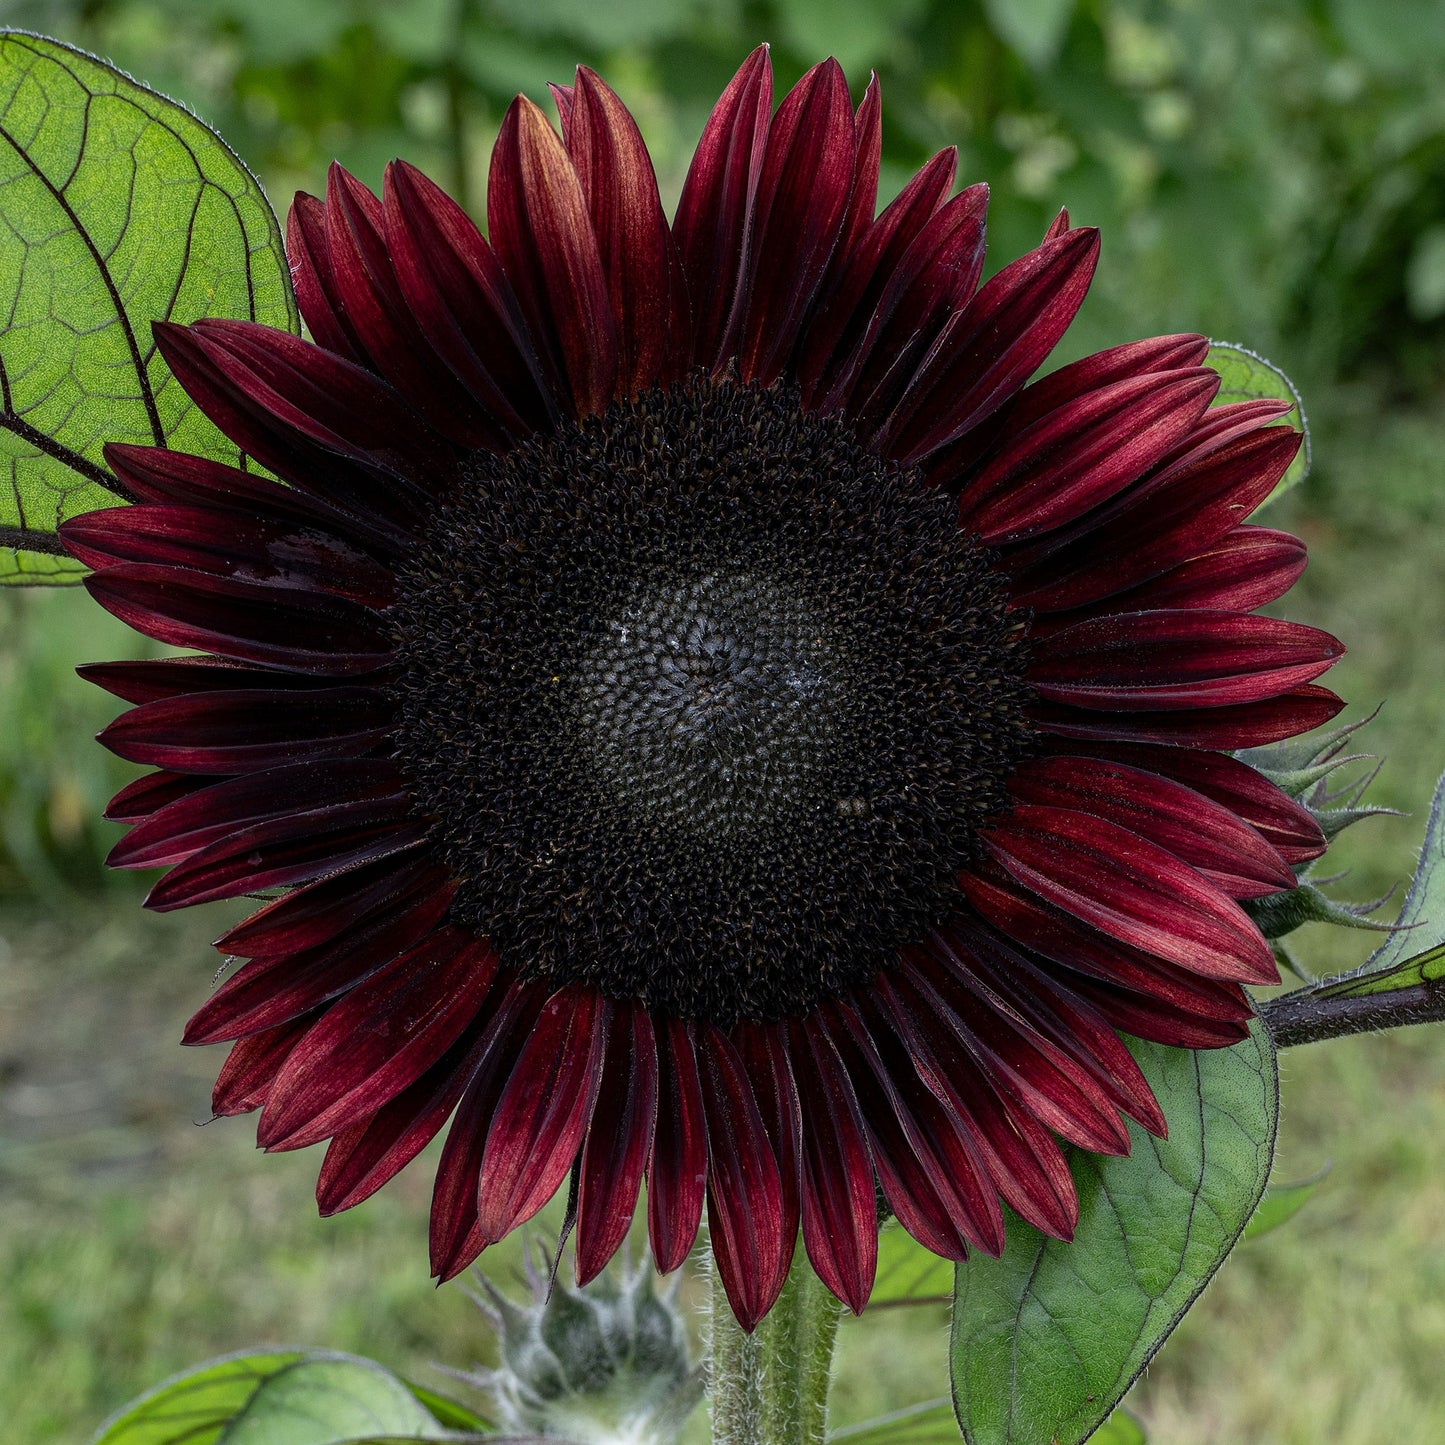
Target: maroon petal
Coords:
[[1021, 1156], [456, 1236], [286, 851], [1148, 661], [383, 322], [931, 281], [378, 1040], [147, 795], [251, 1067], [1247, 568], [320, 912], [763, 1049], [276, 988], [462, 301], [246, 731], [365, 1155], [1131, 890], [318, 297], [141, 680], [744, 1188], [677, 1171], [917, 1182], [544, 1110], [1194, 829], [617, 180], [802, 201], [619, 1140], [713, 226], [294, 629], [247, 547], [194, 822], [1087, 450], [155, 474], [1247, 725], [1147, 1017], [839, 1206], [993, 346], [543, 237], [1172, 515], [862, 270], [1286, 825]]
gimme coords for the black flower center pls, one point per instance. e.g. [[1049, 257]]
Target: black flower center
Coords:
[[707, 702]]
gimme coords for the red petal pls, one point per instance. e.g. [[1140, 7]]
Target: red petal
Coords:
[[839, 1206], [993, 346], [744, 1188], [763, 1049], [1073, 458], [544, 1110], [544, 239], [619, 1140], [378, 1040], [456, 1236], [138, 800], [456, 289], [251, 1067], [1202, 833], [677, 1172], [1131, 890], [713, 226], [1144, 661], [802, 201], [617, 179], [317, 295]]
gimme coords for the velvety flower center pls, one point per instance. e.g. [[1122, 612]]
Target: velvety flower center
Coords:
[[707, 702]]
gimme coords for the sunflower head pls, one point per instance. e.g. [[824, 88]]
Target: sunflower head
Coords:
[[711, 717]]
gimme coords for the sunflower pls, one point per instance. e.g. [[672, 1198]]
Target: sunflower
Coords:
[[705, 715]]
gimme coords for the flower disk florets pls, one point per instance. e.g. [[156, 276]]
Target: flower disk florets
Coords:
[[708, 702]]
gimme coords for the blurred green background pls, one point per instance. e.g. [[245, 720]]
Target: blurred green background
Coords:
[[1268, 171]]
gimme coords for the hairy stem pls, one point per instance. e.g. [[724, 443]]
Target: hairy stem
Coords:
[[1304, 1017], [771, 1387]]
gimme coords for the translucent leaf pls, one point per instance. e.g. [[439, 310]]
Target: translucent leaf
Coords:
[[931, 1423], [907, 1272], [1281, 1203], [1244, 375], [1048, 1338], [117, 208], [285, 1397]]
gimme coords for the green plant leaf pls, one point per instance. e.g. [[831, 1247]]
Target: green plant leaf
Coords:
[[930, 1423], [1244, 375], [1121, 1428], [907, 1272], [1048, 1338], [281, 1397], [118, 208], [1281, 1203]]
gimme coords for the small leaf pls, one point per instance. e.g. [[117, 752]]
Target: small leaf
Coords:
[[1281, 1203], [1244, 375], [283, 1397], [1121, 1428], [931, 1423], [907, 1272], [1048, 1338], [118, 208]]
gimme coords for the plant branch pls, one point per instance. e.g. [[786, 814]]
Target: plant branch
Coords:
[[1307, 1017]]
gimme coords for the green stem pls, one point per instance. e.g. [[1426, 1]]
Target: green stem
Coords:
[[771, 1387]]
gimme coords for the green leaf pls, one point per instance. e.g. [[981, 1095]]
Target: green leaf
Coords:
[[861, 34], [1035, 29], [907, 1272], [1121, 1428], [117, 208], [1244, 375], [282, 1397], [1048, 1338], [1281, 1203], [931, 1423]]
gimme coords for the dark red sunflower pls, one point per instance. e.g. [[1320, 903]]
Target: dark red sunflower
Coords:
[[711, 719]]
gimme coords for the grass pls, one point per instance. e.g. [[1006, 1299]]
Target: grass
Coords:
[[133, 1243]]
